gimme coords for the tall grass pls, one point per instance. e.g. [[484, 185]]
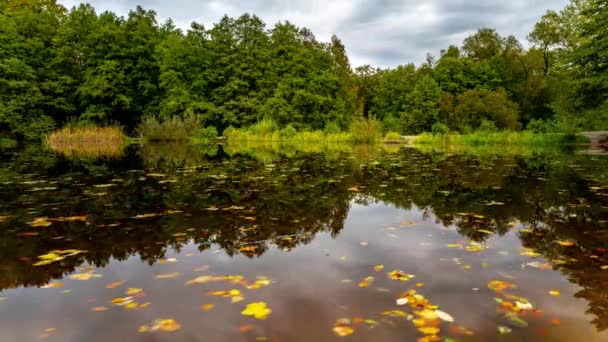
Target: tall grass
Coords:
[[106, 141], [499, 138], [362, 131], [173, 129]]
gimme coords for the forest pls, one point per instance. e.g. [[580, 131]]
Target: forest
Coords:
[[77, 66]]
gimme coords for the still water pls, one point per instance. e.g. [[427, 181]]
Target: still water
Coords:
[[181, 243]]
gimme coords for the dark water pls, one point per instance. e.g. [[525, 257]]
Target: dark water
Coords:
[[507, 248]]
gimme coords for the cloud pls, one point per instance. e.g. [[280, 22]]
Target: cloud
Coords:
[[381, 32]]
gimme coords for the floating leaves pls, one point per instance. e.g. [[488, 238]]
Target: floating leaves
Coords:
[[234, 295], [565, 243], [207, 307], [554, 293], [115, 284], [85, 276], [366, 282], [167, 275], [57, 255], [164, 325], [530, 253], [499, 285], [258, 310], [378, 268], [400, 275], [343, 327], [53, 285]]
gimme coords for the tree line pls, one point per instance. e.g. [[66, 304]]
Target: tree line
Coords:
[[60, 66]]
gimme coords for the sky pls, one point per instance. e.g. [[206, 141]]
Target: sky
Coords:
[[382, 33]]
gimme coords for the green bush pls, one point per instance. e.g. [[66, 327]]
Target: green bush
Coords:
[[207, 133], [487, 126], [440, 128], [540, 126], [393, 136], [173, 129], [366, 130], [391, 124], [288, 132], [331, 128]]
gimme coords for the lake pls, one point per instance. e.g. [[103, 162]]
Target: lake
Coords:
[[213, 243]]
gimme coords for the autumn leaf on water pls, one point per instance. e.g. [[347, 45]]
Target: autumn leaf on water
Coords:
[[234, 279], [122, 301], [41, 222], [164, 325], [99, 309], [499, 286], [565, 243], [85, 276], [115, 284], [530, 252], [259, 310], [166, 261], [207, 307], [394, 313], [167, 275], [133, 291], [52, 285], [234, 295], [400, 275], [343, 327], [57, 255], [259, 283], [366, 282], [554, 293], [378, 268]]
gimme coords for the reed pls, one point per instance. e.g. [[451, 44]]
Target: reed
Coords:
[[106, 141]]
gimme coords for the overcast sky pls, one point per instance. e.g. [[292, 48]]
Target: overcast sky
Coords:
[[377, 32]]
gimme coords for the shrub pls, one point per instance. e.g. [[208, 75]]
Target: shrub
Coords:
[[393, 136], [172, 129], [366, 130], [540, 126], [487, 126], [391, 124], [207, 133], [331, 128], [288, 132], [440, 128]]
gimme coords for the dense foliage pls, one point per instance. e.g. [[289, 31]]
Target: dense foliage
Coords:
[[59, 65]]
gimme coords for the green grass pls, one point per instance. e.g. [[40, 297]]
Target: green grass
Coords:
[[505, 138], [173, 129], [361, 131], [7, 143]]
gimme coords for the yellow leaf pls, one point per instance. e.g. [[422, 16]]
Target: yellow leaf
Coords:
[[394, 313], [131, 306], [378, 268], [565, 243], [99, 308], [115, 284], [499, 286], [166, 325], [122, 301], [167, 275], [52, 285], [444, 316], [400, 275], [207, 307], [259, 310], [429, 330], [366, 282], [83, 276], [133, 291], [554, 293], [343, 330]]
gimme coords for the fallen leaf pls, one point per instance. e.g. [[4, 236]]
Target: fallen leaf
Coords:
[[400, 275], [499, 286], [565, 243], [554, 293], [366, 282], [52, 285], [378, 268], [167, 275], [115, 284], [259, 310], [133, 291], [99, 308], [246, 327], [503, 329], [207, 307], [85, 276]]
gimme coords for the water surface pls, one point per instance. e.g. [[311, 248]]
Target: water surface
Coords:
[[496, 247]]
